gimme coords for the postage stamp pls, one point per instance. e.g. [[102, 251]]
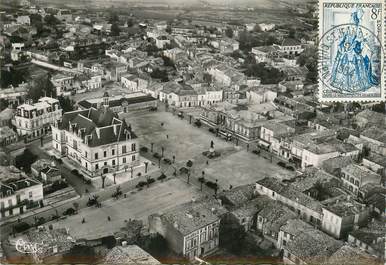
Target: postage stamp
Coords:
[[351, 50]]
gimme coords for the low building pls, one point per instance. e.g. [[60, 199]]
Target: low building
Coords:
[[129, 254], [307, 208], [376, 163], [310, 247], [7, 136], [273, 216], [292, 229], [371, 238], [349, 255], [191, 229], [34, 120], [6, 116], [237, 196], [291, 46], [18, 192], [342, 215], [97, 141], [46, 171], [355, 176], [118, 104], [375, 138]]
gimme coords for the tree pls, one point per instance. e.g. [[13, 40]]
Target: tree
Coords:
[[25, 160], [3, 104], [207, 78], [66, 103], [41, 87], [113, 18], [130, 22], [189, 163], [115, 29], [82, 253], [160, 74], [229, 32], [231, 234], [51, 20], [76, 206], [103, 181], [257, 28], [266, 74]]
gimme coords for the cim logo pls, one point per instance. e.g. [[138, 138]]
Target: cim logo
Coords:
[[29, 247]]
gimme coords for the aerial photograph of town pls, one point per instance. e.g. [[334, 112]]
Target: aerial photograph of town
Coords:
[[149, 132]]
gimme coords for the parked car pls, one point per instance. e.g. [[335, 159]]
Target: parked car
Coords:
[[167, 161], [153, 109], [282, 164], [141, 184], [156, 155], [256, 152], [69, 211]]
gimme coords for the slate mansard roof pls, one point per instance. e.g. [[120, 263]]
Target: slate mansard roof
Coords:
[[97, 127]]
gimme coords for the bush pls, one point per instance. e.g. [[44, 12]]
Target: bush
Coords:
[[201, 179]]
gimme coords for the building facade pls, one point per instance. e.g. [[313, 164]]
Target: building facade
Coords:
[[97, 141], [34, 120]]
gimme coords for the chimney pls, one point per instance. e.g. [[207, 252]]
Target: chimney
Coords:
[[115, 129], [98, 132], [124, 243]]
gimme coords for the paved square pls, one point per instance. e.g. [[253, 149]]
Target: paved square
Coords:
[[177, 136], [157, 198], [234, 167]]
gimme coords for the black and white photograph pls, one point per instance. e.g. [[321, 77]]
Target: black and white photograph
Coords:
[[197, 132]]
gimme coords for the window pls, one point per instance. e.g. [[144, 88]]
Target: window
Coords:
[[96, 166], [75, 144], [30, 194], [96, 155], [133, 147], [113, 162], [124, 160], [123, 149], [85, 154], [105, 163], [104, 153], [113, 152], [133, 158]]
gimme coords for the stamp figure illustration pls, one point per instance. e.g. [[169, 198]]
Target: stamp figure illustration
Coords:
[[351, 50]]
